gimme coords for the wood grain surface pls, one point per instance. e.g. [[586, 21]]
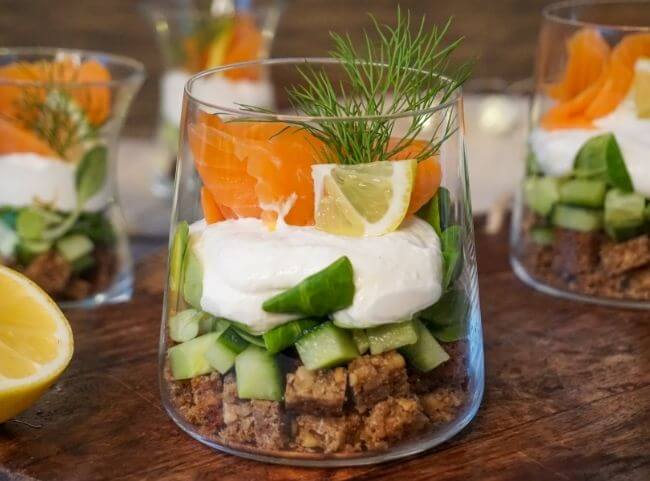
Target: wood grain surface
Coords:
[[500, 34], [567, 398]]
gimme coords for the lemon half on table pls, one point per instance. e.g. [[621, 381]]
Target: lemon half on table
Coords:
[[363, 199], [35, 343]]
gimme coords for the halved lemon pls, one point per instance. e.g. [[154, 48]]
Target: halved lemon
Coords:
[[35, 343], [642, 87], [365, 199]]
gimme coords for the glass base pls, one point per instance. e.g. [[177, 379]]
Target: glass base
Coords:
[[408, 448], [120, 291], [523, 275]]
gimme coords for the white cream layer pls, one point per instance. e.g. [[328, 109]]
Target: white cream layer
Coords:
[[395, 275]]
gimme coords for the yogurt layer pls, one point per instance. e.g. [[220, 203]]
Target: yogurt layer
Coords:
[[213, 89], [244, 264], [26, 178], [556, 149]]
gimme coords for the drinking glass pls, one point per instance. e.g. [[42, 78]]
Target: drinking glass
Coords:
[[258, 217], [192, 39], [61, 112], [582, 217]]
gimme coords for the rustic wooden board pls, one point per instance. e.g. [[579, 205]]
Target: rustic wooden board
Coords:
[[568, 397]]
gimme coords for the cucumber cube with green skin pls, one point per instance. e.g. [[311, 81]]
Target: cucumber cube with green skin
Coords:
[[30, 224], [74, 246], [221, 356], [184, 325], [583, 192], [451, 308], [541, 194], [623, 209], [285, 335], [258, 375], [328, 290], [425, 354], [577, 218], [177, 255], [391, 336], [187, 360], [192, 278], [600, 158], [361, 340], [543, 236], [232, 339], [326, 345]]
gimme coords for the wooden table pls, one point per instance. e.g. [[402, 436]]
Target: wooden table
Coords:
[[567, 397]]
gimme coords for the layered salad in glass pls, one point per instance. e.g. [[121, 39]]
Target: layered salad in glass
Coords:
[[54, 193], [587, 190], [325, 303]]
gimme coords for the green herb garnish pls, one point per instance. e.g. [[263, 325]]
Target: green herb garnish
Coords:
[[401, 70]]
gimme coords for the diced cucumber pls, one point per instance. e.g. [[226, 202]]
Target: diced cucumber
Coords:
[[624, 209], [192, 278], [27, 250], [8, 240], [30, 224], [221, 356], [361, 340], [177, 255], [83, 263], [577, 218], [322, 293], [542, 236], [74, 246], [452, 254], [391, 336], [258, 375], [184, 325], [426, 353], [209, 323], [281, 337], [326, 346], [246, 335], [583, 192], [187, 360], [600, 158], [438, 211], [231, 338], [541, 194]]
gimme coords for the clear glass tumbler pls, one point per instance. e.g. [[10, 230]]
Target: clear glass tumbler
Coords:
[[320, 312], [60, 224], [192, 39], [581, 221]]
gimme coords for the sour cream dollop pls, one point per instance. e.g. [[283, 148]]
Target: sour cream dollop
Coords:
[[244, 264], [214, 89], [26, 178], [556, 149]]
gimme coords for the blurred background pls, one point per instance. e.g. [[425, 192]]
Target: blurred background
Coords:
[[501, 34]]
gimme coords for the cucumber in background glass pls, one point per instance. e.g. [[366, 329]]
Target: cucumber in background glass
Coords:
[[601, 158], [325, 292]]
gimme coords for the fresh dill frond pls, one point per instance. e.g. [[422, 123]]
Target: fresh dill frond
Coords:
[[405, 68], [52, 114]]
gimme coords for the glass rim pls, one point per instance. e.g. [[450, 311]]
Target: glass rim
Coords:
[[275, 116], [136, 75], [551, 13]]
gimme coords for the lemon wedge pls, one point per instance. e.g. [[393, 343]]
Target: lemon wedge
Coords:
[[35, 343], [642, 87], [364, 199]]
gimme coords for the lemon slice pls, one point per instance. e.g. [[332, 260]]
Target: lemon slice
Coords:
[[35, 343], [362, 200], [642, 87]]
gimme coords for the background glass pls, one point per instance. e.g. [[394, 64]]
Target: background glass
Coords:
[[61, 112], [571, 236]]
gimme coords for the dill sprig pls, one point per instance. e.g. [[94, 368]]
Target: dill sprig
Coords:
[[402, 69], [50, 112]]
